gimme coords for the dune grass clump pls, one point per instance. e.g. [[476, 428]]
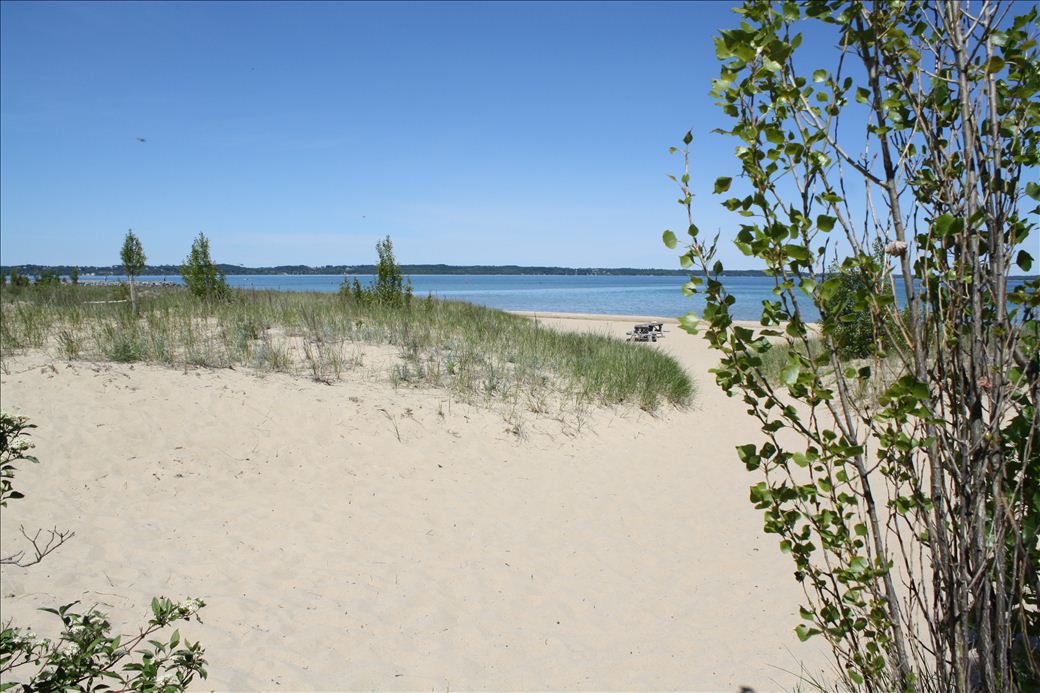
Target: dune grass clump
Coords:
[[474, 351]]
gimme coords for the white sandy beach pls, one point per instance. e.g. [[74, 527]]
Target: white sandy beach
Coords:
[[355, 536]]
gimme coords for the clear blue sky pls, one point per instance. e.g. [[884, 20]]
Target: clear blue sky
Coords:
[[301, 133]]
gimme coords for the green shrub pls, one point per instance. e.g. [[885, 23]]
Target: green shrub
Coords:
[[18, 280], [390, 287], [47, 277], [201, 276], [849, 313]]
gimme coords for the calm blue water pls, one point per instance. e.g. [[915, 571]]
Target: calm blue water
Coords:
[[640, 295]]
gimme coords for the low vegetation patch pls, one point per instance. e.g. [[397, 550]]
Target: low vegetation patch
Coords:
[[474, 351]]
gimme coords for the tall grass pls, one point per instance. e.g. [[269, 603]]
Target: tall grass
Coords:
[[475, 351]]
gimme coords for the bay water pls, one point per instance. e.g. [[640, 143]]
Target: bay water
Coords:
[[603, 294]]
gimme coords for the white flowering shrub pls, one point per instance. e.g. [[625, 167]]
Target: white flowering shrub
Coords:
[[14, 443], [86, 656]]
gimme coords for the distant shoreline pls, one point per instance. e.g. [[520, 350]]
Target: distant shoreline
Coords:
[[94, 272], [417, 270]]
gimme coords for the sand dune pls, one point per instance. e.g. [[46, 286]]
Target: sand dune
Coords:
[[355, 536]]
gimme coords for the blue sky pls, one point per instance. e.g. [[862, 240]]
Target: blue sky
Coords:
[[301, 133]]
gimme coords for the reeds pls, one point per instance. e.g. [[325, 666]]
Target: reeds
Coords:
[[477, 352]]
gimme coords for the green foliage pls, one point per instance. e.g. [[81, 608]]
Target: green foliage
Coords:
[[389, 288], [853, 288], [14, 444], [388, 274], [74, 275], [132, 254], [201, 276], [473, 351], [47, 277], [912, 519], [86, 656], [18, 280]]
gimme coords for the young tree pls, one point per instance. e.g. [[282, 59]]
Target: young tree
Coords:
[[200, 274], [132, 255], [910, 503], [390, 283], [389, 287], [74, 275], [389, 280]]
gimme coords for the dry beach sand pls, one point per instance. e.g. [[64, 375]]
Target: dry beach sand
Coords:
[[355, 536]]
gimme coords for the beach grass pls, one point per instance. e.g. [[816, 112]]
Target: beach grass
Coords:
[[474, 351]]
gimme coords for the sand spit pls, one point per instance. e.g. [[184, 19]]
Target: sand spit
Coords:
[[355, 536]]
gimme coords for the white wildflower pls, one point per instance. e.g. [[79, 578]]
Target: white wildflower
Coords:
[[192, 605], [164, 679], [25, 638], [68, 649], [20, 445], [896, 248]]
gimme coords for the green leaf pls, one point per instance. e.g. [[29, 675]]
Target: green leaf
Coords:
[[943, 224], [789, 375], [689, 323], [819, 76], [722, 184], [1024, 260], [805, 632], [1033, 190], [748, 454], [825, 222], [798, 252], [858, 565], [862, 95], [670, 240], [760, 493], [688, 137]]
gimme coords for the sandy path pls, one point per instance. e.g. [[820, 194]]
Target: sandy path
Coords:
[[335, 556]]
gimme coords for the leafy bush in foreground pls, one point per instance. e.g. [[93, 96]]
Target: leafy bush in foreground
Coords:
[[912, 519], [86, 656]]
